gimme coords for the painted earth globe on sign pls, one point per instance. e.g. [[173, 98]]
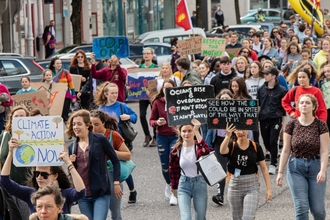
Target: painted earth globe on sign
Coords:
[[25, 154]]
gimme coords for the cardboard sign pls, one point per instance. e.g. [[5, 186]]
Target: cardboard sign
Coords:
[[232, 52], [326, 93], [186, 103], [242, 113], [76, 81], [55, 96], [152, 87], [213, 47], [32, 101], [41, 140], [105, 47], [190, 46], [138, 82]]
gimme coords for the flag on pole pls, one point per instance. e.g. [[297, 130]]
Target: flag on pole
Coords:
[[182, 16]]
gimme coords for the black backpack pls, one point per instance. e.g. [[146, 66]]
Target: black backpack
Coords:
[[8, 207]]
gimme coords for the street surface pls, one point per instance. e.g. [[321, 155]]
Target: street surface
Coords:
[[153, 205]]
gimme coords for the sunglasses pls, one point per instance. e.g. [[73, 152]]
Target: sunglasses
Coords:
[[275, 32], [43, 174], [284, 27]]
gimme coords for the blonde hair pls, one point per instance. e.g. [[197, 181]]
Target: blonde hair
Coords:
[[100, 98], [322, 76], [169, 67], [240, 58]]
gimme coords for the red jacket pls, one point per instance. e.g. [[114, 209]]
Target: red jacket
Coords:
[[174, 164], [3, 89], [158, 111], [321, 111], [106, 74]]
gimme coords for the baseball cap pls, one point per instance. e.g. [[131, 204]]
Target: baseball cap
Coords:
[[271, 70]]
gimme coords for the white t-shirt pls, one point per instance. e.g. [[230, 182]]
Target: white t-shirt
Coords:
[[188, 161]]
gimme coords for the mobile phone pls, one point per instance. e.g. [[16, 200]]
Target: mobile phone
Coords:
[[162, 119]]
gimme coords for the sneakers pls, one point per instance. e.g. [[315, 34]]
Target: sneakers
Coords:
[[168, 191], [153, 143], [173, 200], [132, 197], [147, 141], [218, 199], [267, 156], [272, 170]]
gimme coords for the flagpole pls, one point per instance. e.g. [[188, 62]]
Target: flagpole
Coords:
[[191, 27]]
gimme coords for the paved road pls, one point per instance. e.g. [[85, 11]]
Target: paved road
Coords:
[[152, 204]]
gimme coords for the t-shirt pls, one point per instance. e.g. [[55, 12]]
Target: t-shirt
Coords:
[[305, 140], [245, 160], [117, 139]]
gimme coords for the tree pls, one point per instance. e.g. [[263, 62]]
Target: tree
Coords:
[[57, 120], [75, 20], [18, 132], [238, 14]]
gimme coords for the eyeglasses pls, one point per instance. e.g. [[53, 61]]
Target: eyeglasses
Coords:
[[43, 174], [147, 53], [284, 27], [80, 57]]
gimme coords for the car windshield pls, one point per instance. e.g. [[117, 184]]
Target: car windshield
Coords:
[[250, 13], [63, 50]]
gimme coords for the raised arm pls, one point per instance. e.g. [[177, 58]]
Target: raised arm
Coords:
[[224, 145]]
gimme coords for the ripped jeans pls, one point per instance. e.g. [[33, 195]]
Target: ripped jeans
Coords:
[[164, 146]]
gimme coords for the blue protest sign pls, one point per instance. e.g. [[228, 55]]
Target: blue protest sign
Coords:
[[105, 47]]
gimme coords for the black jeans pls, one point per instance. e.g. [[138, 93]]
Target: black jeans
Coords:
[[270, 131], [143, 105], [66, 109]]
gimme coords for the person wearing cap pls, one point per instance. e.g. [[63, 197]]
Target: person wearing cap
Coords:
[[271, 112]]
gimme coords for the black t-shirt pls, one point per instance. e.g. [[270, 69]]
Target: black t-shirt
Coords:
[[245, 160]]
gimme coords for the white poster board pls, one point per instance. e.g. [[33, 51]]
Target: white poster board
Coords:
[[41, 140]]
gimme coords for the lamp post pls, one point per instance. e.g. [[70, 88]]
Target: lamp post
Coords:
[[29, 34]]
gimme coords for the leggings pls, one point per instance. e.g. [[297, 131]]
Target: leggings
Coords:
[[143, 105]]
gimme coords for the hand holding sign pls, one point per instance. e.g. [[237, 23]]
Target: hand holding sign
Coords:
[[196, 124], [64, 156], [13, 143], [93, 58]]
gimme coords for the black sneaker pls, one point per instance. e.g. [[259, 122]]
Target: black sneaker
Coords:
[[267, 157], [218, 199], [132, 197]]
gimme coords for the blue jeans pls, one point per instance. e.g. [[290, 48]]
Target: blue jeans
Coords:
[[115, 204], [164, 146], [204, 130], [95, 208], [306, 193], [195, 188], [210, 137]]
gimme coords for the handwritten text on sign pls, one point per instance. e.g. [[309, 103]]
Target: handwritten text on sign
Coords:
[[41, 140], [190, 46], [213, 46], [242, 113], [186, 103], [105, 47]]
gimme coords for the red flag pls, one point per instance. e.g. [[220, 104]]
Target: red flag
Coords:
[[182, 16], [317, 3]]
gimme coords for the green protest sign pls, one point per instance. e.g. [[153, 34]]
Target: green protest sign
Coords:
[[213, 47]]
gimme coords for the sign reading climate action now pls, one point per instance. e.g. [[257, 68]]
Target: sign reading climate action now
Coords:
[[213, 47], [186, 103], [242, 113]]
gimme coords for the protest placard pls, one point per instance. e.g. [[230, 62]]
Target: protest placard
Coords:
[[213, 47], [32, 101], [76, 81], [190, 46], [138, 82], [232, 52], [242, 113], [326, 93], [152, 87], [55, 95], [105, 47], [41, 139], [186, 103]]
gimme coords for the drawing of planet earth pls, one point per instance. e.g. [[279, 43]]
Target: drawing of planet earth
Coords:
[[25, 154]]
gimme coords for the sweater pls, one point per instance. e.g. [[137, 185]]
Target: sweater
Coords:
[[221, 81], [319, 59], [252, 85], [321, 111], [4, 89], [272, 53], [24, 91], [22, 192], [192, 77], [296, 57], [158, 111], [63, 76], [119, 79]]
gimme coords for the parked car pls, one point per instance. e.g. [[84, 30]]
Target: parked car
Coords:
[[270, 14], [269, 25], [240, 28], [14, 66], [72, 49]]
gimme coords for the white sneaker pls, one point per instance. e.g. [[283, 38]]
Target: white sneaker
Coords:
[[168, 191], [173, 200], [272, 170]]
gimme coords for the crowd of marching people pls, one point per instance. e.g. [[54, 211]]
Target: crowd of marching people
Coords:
[[286, 70]]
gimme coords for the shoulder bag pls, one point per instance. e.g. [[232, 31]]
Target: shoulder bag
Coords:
[[127, 130]]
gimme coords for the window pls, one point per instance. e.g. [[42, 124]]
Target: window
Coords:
[[161, 50], [11, 68], [274, 14], [152, 40]]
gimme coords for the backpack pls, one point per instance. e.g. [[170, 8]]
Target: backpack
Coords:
[[8, 207]]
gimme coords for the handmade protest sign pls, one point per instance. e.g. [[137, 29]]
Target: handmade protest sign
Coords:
[[33, 100], [186, 103], [41, 139], [138, 82], [242, 113], [152, 87], [55, 95], [105, 47], [190, 46], [326, 93], [213, 47], [76, 79]]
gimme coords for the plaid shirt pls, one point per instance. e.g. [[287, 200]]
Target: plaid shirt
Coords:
[[175, 169]]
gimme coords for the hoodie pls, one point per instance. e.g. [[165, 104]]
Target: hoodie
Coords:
[[253, 84], [221, 81]]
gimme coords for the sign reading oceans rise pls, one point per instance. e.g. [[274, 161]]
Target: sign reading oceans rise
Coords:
[[41, 140], [186, 103], [213, 47], [190, 46], [242, 113], [105, 47]]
